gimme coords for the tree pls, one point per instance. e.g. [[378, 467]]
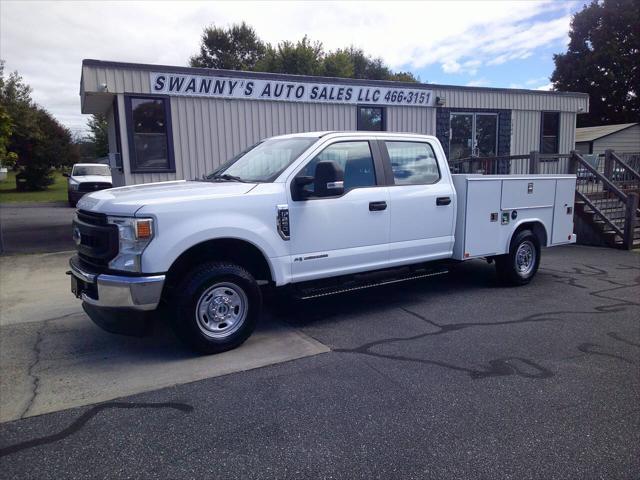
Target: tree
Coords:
[[239, 48], [36, 138], [300, 58], [234, 48], [98, 137], [603, 60]]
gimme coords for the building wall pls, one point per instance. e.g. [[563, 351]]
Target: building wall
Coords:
[[624, 141], [208, 131]]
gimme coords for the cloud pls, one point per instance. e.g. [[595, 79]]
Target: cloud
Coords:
[[480, 82], [546, 86], [47, 41]]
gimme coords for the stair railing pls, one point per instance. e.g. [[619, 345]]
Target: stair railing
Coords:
[[585, 171]]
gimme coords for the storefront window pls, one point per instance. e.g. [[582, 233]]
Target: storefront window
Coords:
[[149, 135], [550, 129], [371, 118]]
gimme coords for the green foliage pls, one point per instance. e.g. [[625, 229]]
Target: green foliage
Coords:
[[301, 58], [239, 48], [235, 48], [603, 60], [98, 138], [37, 140], [7, 159], [57, 192]]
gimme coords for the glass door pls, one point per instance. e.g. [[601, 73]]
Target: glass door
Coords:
[[486, 134], [473, 135], [461, 137]]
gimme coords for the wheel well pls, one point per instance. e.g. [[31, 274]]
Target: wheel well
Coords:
[[538, 230], [233, 250]]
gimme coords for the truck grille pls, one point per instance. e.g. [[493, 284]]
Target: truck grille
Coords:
[[96, 240], [93, 186]]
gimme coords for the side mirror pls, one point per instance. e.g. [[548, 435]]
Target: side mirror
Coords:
[[66, 175], [329, 180]]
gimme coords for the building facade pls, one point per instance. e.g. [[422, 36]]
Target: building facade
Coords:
[[169, 123]]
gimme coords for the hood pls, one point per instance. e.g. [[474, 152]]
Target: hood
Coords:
[[91, 178], [127, 200]]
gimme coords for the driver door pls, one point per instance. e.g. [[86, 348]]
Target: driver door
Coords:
[[335, 234]]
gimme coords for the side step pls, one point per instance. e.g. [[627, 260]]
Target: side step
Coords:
[[362, 281]]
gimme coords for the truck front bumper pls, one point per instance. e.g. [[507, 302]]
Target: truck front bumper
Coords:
[[117, 303]]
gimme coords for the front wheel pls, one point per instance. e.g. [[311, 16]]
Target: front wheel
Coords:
[[216, 307], [519, 266]]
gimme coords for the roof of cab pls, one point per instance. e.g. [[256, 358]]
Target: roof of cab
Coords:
[[353, 133]]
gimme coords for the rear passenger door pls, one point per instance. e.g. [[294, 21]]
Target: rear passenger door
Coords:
[[421, 202]]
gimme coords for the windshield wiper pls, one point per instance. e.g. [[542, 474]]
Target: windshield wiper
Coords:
[[226, 177]]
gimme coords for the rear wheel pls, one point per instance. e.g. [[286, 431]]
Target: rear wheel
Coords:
[[216, 307], [519, 266]]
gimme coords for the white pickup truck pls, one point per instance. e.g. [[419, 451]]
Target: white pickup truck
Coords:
[[320, 213]]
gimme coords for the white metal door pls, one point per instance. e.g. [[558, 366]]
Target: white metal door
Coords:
[[343, 234], [563, 210], [422, 202]]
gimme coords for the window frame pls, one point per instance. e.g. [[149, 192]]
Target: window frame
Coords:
[[133, 164], [383, 112], [542, 114], [378, 168], [391, 180]]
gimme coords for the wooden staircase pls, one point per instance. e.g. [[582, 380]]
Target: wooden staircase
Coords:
[[607, 200], [610, 210]]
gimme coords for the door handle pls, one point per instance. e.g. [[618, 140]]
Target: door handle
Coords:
[[377, 206], [443, 201]]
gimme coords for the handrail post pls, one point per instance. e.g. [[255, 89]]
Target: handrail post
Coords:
[[608, 164], [534, 162], [630, 219], [573, 163]]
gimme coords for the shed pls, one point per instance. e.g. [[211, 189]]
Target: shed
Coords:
[[624, 138]]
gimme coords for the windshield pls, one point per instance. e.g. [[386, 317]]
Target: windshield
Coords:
[[265, 161], [81, 170]]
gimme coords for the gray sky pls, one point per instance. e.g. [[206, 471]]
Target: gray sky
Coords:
[[468, 43]]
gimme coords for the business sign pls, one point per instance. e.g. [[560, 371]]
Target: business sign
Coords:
[[280, 90]]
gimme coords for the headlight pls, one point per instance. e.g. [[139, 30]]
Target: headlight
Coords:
[[73, 185], [134, 235]]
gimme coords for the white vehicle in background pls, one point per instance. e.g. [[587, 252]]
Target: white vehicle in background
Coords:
[[85, 178], [317, 213]]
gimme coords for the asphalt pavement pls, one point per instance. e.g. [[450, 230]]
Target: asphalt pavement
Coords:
[[447, 377], [36, 227]]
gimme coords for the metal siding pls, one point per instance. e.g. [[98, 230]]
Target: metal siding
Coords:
[[517, 100], [567, 139], [411, 120], [207, 132], [525, 131]]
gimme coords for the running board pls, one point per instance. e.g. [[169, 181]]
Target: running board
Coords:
[[306, 294]]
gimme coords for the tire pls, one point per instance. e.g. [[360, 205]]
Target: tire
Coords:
[[216, 307], [72, 204], [519, 266]]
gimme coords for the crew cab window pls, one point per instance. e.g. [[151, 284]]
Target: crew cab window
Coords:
[[413, 163], [353, 158]]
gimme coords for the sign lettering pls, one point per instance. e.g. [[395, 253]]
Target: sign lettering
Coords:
[[259, 89]]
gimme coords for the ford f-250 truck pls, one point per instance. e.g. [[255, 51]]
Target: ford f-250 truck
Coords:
[[319, 212]]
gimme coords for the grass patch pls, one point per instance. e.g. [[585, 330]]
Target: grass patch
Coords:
[[57, 192]]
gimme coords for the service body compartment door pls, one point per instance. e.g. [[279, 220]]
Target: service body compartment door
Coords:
[[528, 193], [563, 210], [482, 222]]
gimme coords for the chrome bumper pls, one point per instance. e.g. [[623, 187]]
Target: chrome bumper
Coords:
[[116, 291]]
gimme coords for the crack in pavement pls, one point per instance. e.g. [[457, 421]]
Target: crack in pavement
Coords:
[[35, 378], [84, 418], [511, 365]]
